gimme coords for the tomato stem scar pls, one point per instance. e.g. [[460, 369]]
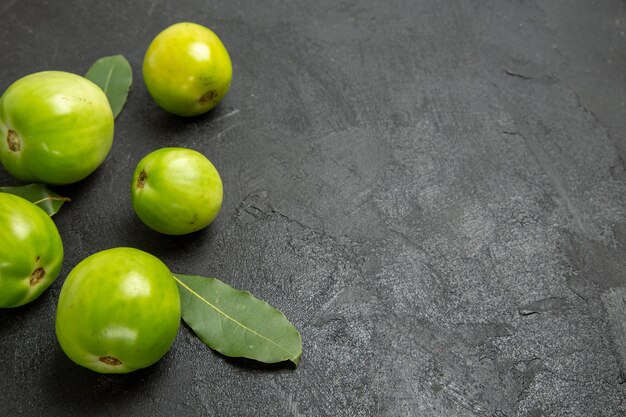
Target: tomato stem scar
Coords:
[[142, 179], [13, 141], [110, 360], [37, 276]]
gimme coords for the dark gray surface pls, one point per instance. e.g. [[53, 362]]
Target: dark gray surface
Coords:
[[434, 192]]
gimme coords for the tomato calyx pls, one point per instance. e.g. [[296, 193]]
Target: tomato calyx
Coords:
[[13, 141]]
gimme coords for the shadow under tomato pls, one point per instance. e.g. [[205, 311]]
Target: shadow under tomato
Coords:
[[161, 122], [81, 391], [78, 193], [13, 318], [19, 317], [165, 247]]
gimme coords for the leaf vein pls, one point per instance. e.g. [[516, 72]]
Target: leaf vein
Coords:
[[244, 327], [108, 80]]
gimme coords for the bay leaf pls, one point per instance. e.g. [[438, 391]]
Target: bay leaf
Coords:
[[39, 195], [235, 323], [114, 75]]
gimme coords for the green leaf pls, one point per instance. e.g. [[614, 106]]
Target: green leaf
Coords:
[[114, 75], [38, 194], [235, 323]]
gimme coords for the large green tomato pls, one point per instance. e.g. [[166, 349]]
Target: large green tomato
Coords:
[[31, 251], [55, 127], [176, 191], [119, 311], [187, 69]]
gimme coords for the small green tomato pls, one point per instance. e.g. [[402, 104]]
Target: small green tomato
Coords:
[[176, 191], [31, 251], [187, 69], [55, 127], [119, 311]]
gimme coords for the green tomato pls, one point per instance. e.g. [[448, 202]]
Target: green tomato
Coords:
[[176, 191], [55, 127], [119, 311], [31, 251], [187, 69]]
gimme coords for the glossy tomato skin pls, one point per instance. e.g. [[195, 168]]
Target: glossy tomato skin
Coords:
[[31, 251], [187, 69], [119, 311], [176, 191], [55, 128]]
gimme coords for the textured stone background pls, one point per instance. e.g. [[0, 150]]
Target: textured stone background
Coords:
[[434, 192]]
